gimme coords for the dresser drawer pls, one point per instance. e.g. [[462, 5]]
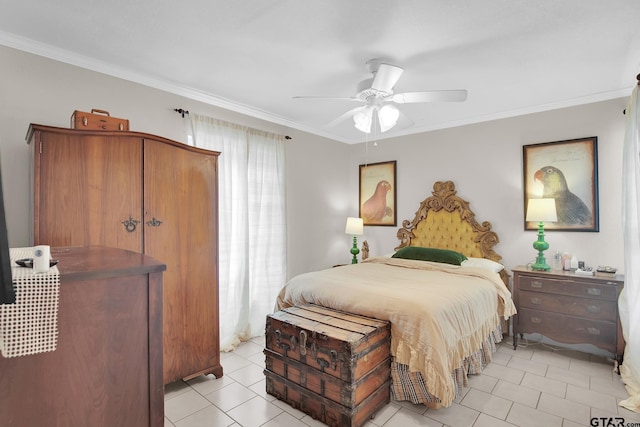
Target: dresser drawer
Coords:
[[569, 287], [574, 306], [568, 329]]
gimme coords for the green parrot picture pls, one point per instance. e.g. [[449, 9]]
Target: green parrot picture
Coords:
[[570, 209]]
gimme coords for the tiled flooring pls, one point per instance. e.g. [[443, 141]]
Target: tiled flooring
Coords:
[[533, 386]]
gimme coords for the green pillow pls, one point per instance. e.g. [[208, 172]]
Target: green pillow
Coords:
[[430, 254]]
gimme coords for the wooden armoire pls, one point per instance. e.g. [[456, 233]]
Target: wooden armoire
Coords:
[[145, 193]]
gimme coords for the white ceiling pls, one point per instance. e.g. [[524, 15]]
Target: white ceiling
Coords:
[[513, 56]]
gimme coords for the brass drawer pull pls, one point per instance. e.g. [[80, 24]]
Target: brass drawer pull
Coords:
[[536, 320], [593, 291], [593, 331], [593, 308], [536, 284], [536, 301]]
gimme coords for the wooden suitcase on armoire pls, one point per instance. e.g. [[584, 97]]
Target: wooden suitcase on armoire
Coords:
[[331, 365], [97, 120]]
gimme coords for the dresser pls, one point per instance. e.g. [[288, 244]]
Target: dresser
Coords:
[[147, 194], [568, 308], [106, 369]]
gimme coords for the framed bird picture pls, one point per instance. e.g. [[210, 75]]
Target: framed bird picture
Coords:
[[378, 193], [566, 171]]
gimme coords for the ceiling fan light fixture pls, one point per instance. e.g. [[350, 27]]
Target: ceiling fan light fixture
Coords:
[[376, 95], [388, 117], [362, 120]]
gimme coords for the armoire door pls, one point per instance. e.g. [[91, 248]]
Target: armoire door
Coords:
[[180, 220], [88, 190]]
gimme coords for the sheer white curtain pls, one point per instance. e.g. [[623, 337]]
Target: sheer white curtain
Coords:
[[629, 302], [252, 223]]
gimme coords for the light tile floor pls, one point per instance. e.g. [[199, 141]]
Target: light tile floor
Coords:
[[533, 386]]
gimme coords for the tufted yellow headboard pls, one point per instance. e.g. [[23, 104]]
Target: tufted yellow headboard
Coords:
[[445, 221]]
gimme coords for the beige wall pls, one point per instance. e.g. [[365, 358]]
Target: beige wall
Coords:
[[38, 90], [484, 160]]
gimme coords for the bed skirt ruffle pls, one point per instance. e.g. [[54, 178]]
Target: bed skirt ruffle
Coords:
[[411, 386]]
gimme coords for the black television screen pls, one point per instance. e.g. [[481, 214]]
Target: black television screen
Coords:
[[7, 290]]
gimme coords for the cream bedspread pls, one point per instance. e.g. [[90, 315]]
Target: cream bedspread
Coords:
[[439, 313]]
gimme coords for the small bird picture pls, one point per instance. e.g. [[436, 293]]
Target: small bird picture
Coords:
[[570, 209], [375, 208]]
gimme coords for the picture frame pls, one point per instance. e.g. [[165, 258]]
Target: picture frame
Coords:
[[377, 193], [567, 171]]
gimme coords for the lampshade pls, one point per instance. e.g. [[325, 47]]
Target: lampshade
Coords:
[[542, 210], [362, 119], [355, 226], [387, 117]]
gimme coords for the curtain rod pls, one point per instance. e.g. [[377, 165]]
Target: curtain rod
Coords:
[[183, 112]]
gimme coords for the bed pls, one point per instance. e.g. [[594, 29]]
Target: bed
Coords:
[[443, 290]]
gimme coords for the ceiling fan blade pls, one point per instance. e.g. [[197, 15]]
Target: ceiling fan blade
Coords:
[[346, 115], [386, 77], [430, 96], [340, 98]]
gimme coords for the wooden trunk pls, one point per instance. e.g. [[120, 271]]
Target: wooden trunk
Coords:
[[331, 365]]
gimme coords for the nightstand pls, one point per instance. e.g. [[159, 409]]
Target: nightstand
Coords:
[[568, 308]]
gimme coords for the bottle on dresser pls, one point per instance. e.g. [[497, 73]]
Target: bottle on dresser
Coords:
[[574, 263], [557, 261]]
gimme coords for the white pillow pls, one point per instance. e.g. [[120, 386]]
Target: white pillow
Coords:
[[487, 264]]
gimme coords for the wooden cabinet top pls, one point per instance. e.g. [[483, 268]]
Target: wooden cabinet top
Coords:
[[566, 275], [99, 262], [52, 129]]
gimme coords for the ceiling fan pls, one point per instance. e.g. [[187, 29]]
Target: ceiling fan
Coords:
[[376, 93]]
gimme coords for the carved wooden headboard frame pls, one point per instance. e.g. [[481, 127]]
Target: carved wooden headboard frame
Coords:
[[444, 220]]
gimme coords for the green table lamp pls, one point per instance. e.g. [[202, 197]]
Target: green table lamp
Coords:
[[541, 210], [355, 227]]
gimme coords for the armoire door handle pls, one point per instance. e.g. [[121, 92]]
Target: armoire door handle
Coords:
[[154, 222], [130, 224]]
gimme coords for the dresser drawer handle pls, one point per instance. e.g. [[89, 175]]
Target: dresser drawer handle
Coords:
[[593, 331], [593, 308], [536, 284], [593, 291], [536, 301], [536, 320]]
